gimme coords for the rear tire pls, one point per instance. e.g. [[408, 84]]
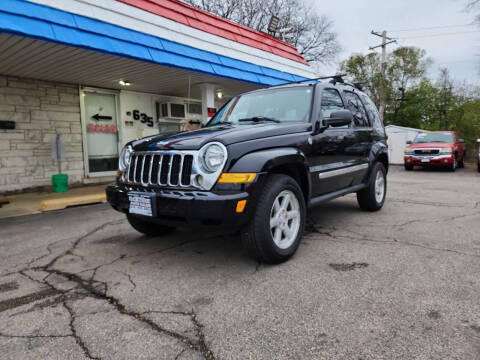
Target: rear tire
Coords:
[[461, 163], [409, 167], [373, 196], [276, 228], [148, 228]]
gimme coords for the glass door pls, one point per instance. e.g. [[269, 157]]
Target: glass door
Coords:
[[101, 132]]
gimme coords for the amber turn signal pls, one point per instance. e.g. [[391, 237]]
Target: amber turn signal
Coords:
[[236, 178], [241, 206]]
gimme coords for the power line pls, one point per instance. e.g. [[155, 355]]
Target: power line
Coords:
[[432, 27], [436, 35]]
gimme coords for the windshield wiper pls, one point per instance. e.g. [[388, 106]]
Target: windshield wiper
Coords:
[[257, 119], [221, 123]]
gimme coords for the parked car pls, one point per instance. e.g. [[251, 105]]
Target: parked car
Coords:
[[478, 155], [437, 148], [257, 166]]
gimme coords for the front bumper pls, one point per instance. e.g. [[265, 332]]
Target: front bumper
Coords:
[[187, 208], [429, 160]]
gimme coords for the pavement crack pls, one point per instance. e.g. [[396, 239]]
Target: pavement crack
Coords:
[[26, 299], [79, 240], [134, 286], [180, 354], [122, 309], [360, 237], [91, 289], [427, 203], [95, 269], [77, 338], [8, 286], [33, 336], [440, 220]]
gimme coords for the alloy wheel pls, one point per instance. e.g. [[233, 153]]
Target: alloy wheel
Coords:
[[285, 219]]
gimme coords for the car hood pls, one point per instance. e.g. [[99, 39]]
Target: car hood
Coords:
[[436, 145], [226, 134]]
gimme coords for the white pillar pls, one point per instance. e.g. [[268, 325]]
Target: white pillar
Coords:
[[208, 99]]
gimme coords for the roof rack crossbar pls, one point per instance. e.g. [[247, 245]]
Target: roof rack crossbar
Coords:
[[336, 78]]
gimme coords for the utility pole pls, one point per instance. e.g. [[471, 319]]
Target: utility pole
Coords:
[[383, 45]]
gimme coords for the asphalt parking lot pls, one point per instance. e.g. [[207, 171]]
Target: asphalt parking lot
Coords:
[[403, 283]]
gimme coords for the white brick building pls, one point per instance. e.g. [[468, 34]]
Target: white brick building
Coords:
[[97, 73]]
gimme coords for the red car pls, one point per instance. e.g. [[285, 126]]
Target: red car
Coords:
[[437, 148]]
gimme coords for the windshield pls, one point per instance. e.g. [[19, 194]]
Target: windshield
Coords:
[[433, 137], [275, 105]]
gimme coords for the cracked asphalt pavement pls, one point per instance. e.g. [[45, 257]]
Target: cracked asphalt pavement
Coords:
[[403, 283]]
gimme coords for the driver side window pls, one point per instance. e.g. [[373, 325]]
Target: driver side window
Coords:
[[332, 101]]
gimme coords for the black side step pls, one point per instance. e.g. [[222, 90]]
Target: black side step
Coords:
[[327, 197]]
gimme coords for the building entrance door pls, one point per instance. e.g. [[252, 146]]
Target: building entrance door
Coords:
[[101, 132]]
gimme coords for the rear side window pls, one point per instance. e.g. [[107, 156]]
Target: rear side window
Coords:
[[331, 101], [372, 112], [354, 104]]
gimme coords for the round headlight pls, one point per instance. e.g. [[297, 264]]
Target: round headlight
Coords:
[[124, 159], [213, 157]]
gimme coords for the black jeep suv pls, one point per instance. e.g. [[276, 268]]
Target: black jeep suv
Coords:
[[257, 166]]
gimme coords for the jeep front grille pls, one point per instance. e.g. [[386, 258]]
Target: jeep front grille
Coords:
[[160, 169]]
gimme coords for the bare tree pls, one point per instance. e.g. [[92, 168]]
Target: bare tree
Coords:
[[474, 5], [311, 33]]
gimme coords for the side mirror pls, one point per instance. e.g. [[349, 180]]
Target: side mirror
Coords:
[[460, 141], [339, 118], [409, 142]]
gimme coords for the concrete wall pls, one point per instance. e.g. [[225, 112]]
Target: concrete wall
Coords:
[[40, 110]]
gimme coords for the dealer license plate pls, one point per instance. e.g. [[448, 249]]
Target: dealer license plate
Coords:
[[140, 204], [425, 160]]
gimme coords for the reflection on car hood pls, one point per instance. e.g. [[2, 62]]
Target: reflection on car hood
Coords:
[[226, 134], [430, 145]]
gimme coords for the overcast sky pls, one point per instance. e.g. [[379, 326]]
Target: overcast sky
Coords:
[[354, 19]]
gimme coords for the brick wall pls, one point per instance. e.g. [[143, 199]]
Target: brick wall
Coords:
[[40, 110]]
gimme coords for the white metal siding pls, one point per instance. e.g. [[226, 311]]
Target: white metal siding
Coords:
[[397, 139], [117, 13]]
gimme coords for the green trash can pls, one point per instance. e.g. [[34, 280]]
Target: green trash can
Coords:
[[60, 183]]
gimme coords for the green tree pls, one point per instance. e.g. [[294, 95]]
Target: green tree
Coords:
[[416, 108], [405, 68], [365, 69]]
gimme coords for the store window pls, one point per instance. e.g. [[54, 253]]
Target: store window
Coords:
[[101, 132]]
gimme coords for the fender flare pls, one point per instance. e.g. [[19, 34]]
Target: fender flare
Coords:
[[264, 161], [378, 150]]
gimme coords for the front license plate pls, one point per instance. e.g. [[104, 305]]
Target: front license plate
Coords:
[[140, 204], [425, 160]]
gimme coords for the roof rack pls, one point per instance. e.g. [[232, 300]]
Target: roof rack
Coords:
[[334, 80], [337, 78]]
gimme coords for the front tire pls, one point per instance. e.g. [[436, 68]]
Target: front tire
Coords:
[[373, 196], [409, 167], [148, 228], [453, 166], [276, 228]]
